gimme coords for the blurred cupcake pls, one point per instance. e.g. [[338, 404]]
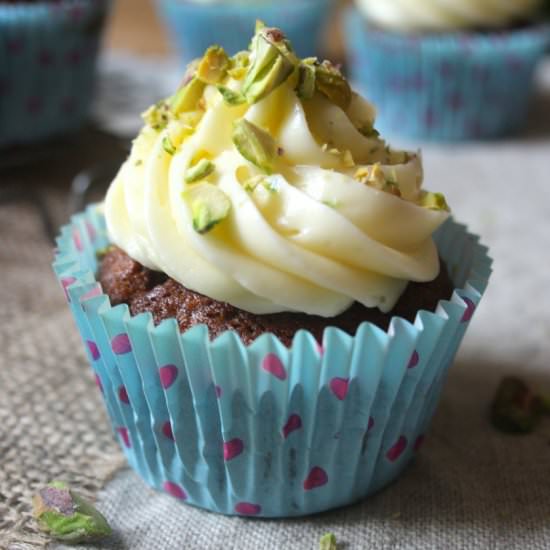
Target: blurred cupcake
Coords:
[[48, 52], [271, 324], [196, 24], [445, 70]]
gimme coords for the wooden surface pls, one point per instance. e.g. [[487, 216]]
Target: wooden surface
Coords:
[[135, 26]]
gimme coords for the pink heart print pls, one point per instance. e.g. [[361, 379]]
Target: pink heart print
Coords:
[[168, 375], [339, 387], [414, 360], [123, 395], [120, 344], [232, 448], [248, 509], [470, 308], [397, 450], [272, 364], [175, 490], [317, 478], [125, 436], [293, 423], [167, 430]]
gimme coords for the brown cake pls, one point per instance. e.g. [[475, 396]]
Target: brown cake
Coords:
[[126, 281]]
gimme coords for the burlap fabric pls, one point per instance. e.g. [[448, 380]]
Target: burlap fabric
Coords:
[[471, 487]]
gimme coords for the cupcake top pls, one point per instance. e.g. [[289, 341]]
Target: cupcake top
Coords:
[[446, 15], [262, 183]]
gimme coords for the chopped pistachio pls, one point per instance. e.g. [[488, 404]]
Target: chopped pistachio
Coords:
[[188, 96], [347, 159], [332, 84], [331, 204], [158, 115], [259, 26], [328, 542], [271, 185], [369, 131], [433, 201], [515, 409], [209, 206], [239, 65], [138, 162], [168, 146], [201, 170], [230, 96], [213, 66], [273, 63], [306, 81], [254, 144], [102, 252], [66, 516]]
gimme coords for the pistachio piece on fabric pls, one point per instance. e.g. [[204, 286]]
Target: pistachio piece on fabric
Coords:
[[66, 516], [209, 206], [254, 144], [328, 542]]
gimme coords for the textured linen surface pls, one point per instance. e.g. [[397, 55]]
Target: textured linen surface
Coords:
[[471, 487]]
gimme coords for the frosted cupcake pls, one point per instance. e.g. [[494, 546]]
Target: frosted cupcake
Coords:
[[447, 70], [261, 237], [48, 53]]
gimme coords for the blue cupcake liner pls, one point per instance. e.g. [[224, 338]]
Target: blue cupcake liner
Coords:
[[448, 87], [194, 26], [266, 430], [48, 53]]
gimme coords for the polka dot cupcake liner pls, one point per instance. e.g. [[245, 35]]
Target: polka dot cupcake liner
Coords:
[[448, 87], [194, 26], [48, 53], [266, 430]]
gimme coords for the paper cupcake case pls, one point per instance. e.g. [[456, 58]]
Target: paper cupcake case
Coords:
[[266, 430], [195, 26], [450, 86], [48, 53]]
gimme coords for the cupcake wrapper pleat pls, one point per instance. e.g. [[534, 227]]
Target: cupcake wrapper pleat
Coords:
[[448, 86], [266, 430]]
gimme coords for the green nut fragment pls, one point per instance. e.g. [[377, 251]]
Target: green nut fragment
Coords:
[[230, 96], [213, 66], [369, 131], [274, 62], [201, 170], [433, 201], [328, 542], [158, 115], [102, 252], [168, 146], [209, 206], [188, 96], [239, 65], [66, 516], [306, 81], [254, 144], [332, 84], [515, 409]]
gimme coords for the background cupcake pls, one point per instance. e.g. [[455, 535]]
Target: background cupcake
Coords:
[[447, 70], [48, 53], [196, 24]]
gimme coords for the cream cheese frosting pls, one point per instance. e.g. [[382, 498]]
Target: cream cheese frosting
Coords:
[[445, 15], [274, 193]]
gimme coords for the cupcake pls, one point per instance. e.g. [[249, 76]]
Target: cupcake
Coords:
[[441, 70], [269, 299], [196, 24], [48, 52]]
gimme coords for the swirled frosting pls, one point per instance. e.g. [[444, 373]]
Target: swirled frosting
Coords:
[[312, 213], [444, 15]]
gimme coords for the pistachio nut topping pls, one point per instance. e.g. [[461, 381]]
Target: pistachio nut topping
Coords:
[[263, 183], [254, 144], [66, 516]]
